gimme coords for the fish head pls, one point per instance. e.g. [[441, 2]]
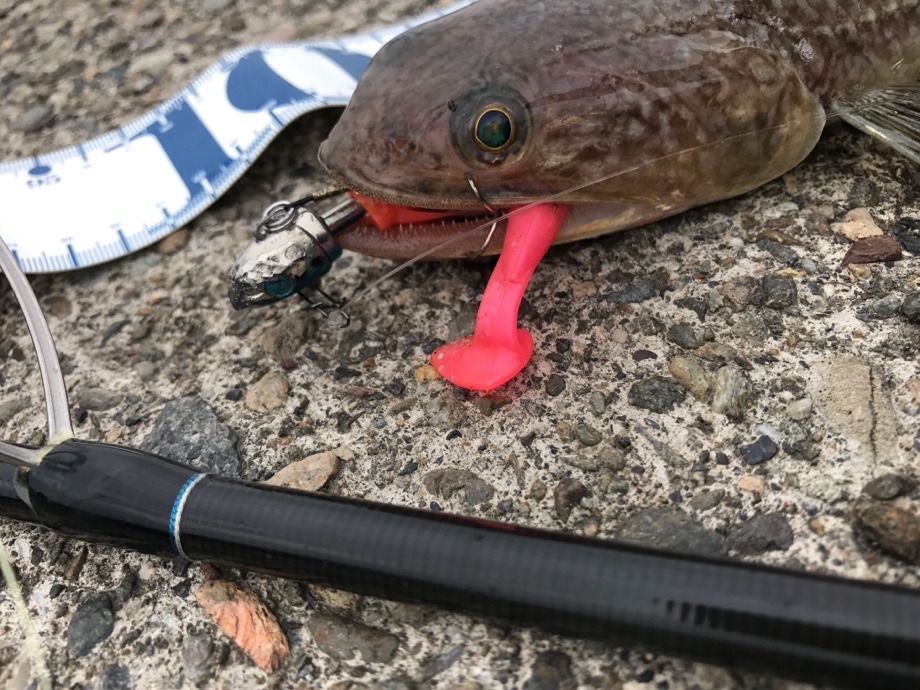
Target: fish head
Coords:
[[585, 102]]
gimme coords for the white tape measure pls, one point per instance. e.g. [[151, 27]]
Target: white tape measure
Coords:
[[126, 189]]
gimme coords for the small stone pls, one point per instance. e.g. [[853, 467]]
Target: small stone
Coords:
[[739, 292], [309, 474], [731, 392], [114, 677], [779, 292], [883, 308], [188, 430], [610, 457], [907, 230], [768, 532], [555, 384], [342, 639], [873, 250], [537, 490], [656, 393], [268, 393], [691, 375], [759, 451], [92, 622], [751, 483], [619, 336], [671, 529], [857, 225], [683, 335], [173, 242], [896, 530], [587, 435], [447, 481], [716, 352], [639, 290], [441, 663], [34, 119], [284, 339], [11, 408], [551, 670], [911, 307], [426, 373], [707, 500], [568, 494], [58, 306], [98, 399], [888, 486], [799, 410], [245, 620], [597, 403], [196, 652]]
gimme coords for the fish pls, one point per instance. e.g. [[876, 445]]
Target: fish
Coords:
[[627, 111]]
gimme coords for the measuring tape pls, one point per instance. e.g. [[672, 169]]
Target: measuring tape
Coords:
[[128, 188]]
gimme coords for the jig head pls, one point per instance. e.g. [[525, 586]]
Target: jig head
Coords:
[[293, 247]]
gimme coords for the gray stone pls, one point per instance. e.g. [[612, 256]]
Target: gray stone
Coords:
[[888, 486], [187, 430], [447, 481], [442, 662], [882, 308], [671, 529], [682, 334], [555, 384], [799, 410], [779, 292], [98, 399], [731, 392], [115, 677], [638, 290], [91, 623], [196, 653], [769, 532], [597, 403], [11, 408], [911, 307], [587, 435], [551, 670], [707, 500], [761, 450], [342, 639], [656, 393], [34, 119]]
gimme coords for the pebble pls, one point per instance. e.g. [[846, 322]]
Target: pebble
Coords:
[[447, 481], [566, 495], [671, 529], [683, 335], [196, 653], [907, 230], [98, 399], [619, 336], [597, 403], [587, 435], [716, 352], [896, 530], [115, 677], [187, 430], [751, 483], [857, 224], [268, 393], [639, 290], [441, 663], [426, 373], [759, 451], [767, 532], [11, 408], [284, 339], [731, 392], [342, 639], [92, 622], [555, 384], [739, 292], [779, 292], [873, 250], [911, 307], [245, 620], [309, 474], [152, 65], [799, 410], [656, 394], [881, 308], [888, 486], [690, 373], [707, 500], [33, 120], [551, 670]]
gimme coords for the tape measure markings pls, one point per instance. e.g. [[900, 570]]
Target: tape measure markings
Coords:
[[125, 189]]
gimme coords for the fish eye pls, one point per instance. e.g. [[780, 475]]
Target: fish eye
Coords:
[[279, 286], [491, 126], [494, 129]]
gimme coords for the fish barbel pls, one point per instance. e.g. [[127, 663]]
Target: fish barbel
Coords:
[[626, 110]]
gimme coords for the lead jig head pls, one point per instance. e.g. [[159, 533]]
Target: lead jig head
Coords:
[[293, 247]]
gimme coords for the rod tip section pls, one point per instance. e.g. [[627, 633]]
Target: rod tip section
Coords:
[[498, 350]]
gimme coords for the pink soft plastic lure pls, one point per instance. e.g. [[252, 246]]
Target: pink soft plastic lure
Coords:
[[498, 350]]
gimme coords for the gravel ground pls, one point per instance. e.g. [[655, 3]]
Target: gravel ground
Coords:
[[716, 382]]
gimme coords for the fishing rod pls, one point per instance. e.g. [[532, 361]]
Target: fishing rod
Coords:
[[818, 628]]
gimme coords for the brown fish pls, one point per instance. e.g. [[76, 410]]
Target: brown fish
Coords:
[[628, 110]]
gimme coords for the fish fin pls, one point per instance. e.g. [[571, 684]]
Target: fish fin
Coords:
[[890, 114]]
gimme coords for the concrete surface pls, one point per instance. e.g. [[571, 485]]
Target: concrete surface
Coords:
[[828, 368]]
